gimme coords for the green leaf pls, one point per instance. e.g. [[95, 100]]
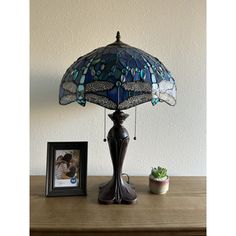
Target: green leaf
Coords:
[[159, 172]]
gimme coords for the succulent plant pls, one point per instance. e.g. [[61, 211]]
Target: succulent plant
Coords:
[[159, 172]]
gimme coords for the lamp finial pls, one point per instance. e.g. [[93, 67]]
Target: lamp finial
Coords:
[[118, 36]]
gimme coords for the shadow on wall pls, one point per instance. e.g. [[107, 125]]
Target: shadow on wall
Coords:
[[44, 90], [44, 93]]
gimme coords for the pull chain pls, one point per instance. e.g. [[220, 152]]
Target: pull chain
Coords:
[[118, 98], [105, 116], [135, 122]]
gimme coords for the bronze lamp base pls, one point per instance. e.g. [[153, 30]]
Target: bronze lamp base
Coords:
[[117, 190]]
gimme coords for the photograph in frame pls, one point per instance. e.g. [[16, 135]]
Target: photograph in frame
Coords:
[[66, 168], [66, 173]]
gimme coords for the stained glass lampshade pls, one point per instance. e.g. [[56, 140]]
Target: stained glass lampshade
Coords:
[[117, 77]]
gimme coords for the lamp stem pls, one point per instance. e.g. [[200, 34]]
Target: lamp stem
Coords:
[[117, 190]]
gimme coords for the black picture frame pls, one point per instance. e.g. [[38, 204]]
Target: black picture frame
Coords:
[[55, 191]]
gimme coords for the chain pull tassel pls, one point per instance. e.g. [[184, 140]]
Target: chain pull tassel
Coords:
[[104, 125]]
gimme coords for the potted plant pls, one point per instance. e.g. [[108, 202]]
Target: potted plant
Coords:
[[159, 180]]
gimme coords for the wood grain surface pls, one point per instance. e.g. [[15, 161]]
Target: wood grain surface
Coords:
[[182, 211]]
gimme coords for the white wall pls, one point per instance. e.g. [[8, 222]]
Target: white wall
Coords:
[[172, 30]]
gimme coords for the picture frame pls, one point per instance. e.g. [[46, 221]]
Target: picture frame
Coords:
[[66, 172]]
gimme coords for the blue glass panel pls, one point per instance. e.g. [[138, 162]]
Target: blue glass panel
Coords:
[[97, 66], [132, 63], [129, 77], [113, 94], [89, 78], [111, 78], [125, 95], [159, 78], [148, 76], [113, 50], [139, 64], [137, 77], [121, 97], [123, 61]]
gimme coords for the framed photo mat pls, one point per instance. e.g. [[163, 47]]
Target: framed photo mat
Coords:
[[55, 151]]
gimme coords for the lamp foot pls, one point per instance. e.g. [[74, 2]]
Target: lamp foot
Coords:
[[118, 192]]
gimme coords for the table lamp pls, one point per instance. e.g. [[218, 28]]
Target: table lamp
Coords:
[[117, 77]]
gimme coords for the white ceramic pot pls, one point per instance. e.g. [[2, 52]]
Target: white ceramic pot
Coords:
[[158, 186]]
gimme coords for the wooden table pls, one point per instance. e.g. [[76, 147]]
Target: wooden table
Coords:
[[180, 212]]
